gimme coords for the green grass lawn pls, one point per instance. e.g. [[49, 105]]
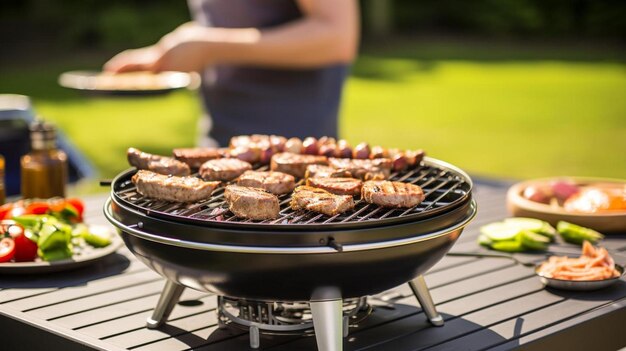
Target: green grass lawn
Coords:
[[513, 111]]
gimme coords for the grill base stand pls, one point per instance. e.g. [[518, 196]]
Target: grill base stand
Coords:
[[420, 290], [329, 323], [169, 298]]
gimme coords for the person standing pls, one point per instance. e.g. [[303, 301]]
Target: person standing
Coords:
[[268, 66]]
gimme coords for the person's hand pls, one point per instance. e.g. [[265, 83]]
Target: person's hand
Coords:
[[184, 49], [144, 59]]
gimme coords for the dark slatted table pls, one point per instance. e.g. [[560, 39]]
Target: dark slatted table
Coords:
[[487, 303]]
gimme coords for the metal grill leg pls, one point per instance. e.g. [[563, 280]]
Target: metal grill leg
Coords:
[[169, 297], [418, 285], [328, 324]]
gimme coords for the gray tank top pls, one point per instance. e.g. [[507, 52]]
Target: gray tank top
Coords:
[[248, 100]]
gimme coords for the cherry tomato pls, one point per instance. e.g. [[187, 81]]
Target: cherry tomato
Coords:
[[78, 205], [4, 210], [7, 249], [56, 205], [37, 208], [25, 249]]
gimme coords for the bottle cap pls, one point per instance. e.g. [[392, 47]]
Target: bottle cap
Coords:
[[42, 135]]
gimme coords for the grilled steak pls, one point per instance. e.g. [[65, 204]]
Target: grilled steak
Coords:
[[321, 171], [251, 203], [156, 163], [273, 182], [295, 164], [196, 156], [338, 186], [320, 200], [172, 188], [376, 169], [392, 194], [223, 169]]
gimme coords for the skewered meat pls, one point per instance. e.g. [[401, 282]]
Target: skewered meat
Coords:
[[365, 169], [310, 146], [253, 203], [320, 200], [223, 169], [321, 171], [293, 145], [195, 157], [295, 164], [159, 164], [172, 188], [392, 194], [361, 151], [273, 182], [343, 149], [337, 186]]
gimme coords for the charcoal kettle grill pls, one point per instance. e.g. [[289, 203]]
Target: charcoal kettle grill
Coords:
[[326, 262]]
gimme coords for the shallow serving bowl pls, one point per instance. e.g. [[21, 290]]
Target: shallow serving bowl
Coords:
[[579, 285], [606, 222]]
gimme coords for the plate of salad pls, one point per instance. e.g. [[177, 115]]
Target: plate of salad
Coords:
[[42, 236]]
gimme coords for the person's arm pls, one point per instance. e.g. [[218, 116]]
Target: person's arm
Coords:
[[327, 34]]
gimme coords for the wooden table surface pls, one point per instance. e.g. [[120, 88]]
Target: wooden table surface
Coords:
[[487, 303]]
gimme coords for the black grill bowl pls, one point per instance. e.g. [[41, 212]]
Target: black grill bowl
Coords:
[[299, 273]]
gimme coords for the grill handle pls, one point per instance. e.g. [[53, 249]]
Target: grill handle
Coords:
[[106, 182]]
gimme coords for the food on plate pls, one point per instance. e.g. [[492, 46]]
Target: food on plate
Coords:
[[593, 199], [320, 200], [595, 263], [295, 164], [392, 194], [155, 163], [252, 203], [337, 186], [46, 229], [321, 171], [196, 156], [376, 169], [172, 188], [517, 234], [576, 234], [223, 169], [277, 183], [596, 197], [69, 210]]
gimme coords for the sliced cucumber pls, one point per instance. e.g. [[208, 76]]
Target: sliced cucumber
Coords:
[[508, 246], [484, 240], [533, 240], [576, 234], [532, 224], [500, 231]]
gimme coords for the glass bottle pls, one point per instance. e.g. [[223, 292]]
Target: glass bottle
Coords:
[[44, 169], [2, 191]]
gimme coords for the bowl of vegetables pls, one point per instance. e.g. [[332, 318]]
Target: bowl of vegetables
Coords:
[[39, 236], [597, 203]]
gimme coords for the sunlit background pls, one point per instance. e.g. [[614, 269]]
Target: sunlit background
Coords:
[[504, 89]]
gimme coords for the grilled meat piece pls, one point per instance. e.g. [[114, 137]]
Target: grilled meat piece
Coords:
[[392, 194], [337, 186], [159, 164], [295, 164], [273, 182], [321, 171], [320, 200], [376, 169], [196, 156], [223, 169], [172, 188], [253, 203]]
